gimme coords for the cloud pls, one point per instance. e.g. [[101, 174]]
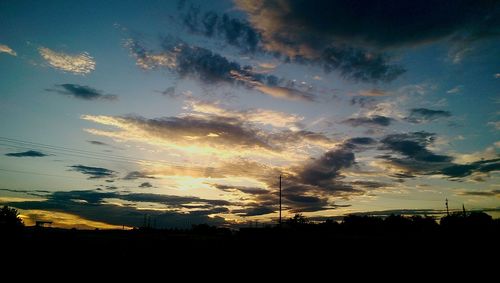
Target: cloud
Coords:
[[363, 102], [464, 170], [252, 115], [352, 63], [375, 120], [93, 172], [82, 92], [366, 184], [492, 193], [6, 49], [234, 31], [230, 134], [303, 25], [92, 205], [455, 90], [424, 115], [494, 124], [361, 141], [80, 64], [212, 68], [323, 171], [416, 159], [29, 153], [98, 143], [254, 211], [145, 185], [414, 146], [373, 92], [285, 92], [215, 132], [245, 190], [359, 65], [134, 175], [147, 59]]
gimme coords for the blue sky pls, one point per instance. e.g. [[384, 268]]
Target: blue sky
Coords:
[[189, 111]]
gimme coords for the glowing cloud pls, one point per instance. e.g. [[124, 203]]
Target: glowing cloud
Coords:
[[5, 49], [80, 64]]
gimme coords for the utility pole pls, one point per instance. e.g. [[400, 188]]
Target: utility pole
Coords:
[[447, 210], [280, 200], [463, 210]]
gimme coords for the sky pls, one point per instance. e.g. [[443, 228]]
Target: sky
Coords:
[[113, 113]]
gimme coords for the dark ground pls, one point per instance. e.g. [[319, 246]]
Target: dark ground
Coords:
[[395, 240]]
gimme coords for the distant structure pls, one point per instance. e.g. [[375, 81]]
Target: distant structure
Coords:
[[447, 210], [463, 210], [41, 224]]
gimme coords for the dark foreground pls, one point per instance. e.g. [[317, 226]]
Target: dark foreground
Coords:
[[356, 239]]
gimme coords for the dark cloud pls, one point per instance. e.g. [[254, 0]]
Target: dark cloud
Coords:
[[170, 92], [91, 205], [416, 159], [375, 120], [312, 25], [98, 143], [234, 31], [170, 200], [93, 172], [212, 68], [254, 211], [369, 184], [359, 65], [413, 146], [351, 62], [492, 193], [363, 101], [464, 170], [361, 141], [413, 157], [82, 92], [246, 190], [145, 185], [325, 169], [137, 175], [225, 131], [422, 115], [29, 153]]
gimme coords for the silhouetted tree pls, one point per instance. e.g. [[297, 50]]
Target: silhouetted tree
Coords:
[[297, 219], [9, 219]]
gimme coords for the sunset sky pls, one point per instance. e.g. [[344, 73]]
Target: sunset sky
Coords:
[[188, 112]]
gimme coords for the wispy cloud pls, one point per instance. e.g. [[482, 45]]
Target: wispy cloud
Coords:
[[373, 92], [423, 115], [79, 64], [82, 92], [6, 49], [93, 172], [254, 115], [455, 90], [375, 120]]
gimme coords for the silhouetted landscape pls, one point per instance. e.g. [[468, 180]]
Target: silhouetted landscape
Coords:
[[456, 233]]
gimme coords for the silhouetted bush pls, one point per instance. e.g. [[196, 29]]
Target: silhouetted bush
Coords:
[[10, 220]]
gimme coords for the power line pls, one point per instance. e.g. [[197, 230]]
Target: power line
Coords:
[[20, 144], [36, 173], [67, 151]]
